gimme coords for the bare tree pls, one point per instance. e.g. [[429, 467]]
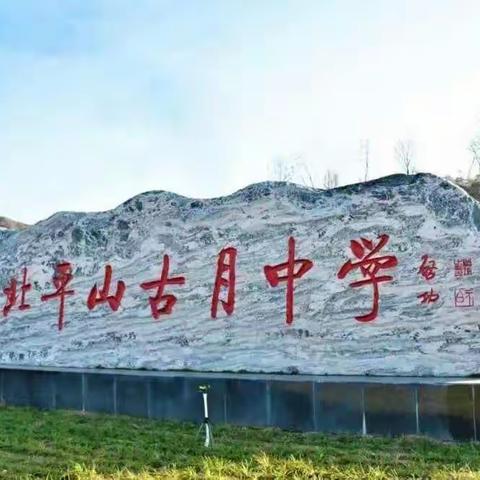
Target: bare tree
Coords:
[[306, 177], [474, 149], [282, 170], [330, 179], [405, 155], [365, 156]]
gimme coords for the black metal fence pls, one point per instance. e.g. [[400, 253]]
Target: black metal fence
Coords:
[[445, 408]]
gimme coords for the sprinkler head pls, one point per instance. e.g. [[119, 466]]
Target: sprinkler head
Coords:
[[203, 388]]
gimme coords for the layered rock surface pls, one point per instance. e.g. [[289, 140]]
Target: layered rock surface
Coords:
[[422, 214]]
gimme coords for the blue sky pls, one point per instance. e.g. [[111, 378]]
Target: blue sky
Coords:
[[101, 100]]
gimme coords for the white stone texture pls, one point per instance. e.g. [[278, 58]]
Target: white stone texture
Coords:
[[422, 214]]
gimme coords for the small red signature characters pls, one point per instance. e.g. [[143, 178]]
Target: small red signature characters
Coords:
[[463, 267], [225, 265], [429, 297], [12, 296], [62, 277], [160, 285], [428, 268], [272, 274], [464, 298], [97, 296], [369, 265]]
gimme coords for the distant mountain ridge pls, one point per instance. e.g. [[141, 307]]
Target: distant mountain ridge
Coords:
[[9, 224]]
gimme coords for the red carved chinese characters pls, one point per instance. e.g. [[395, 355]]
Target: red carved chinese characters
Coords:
[[428, 268], [272, 273], [464, 298], [369, 265], [11, 294], [160, 285], [12, 297], [428, 297], [225, 265], [367, 261], [463, 267], [97, 296], [63, 276]]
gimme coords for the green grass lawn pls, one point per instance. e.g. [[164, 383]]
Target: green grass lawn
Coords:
[[68, 445]]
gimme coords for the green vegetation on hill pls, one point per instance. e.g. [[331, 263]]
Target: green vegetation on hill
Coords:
[[73, 446]]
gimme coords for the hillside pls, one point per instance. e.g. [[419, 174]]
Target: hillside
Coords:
[[9, 224]]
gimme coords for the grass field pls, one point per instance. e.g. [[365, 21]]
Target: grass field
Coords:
[[67, 445]]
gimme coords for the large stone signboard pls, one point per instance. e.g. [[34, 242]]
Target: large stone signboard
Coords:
[[380, 278]]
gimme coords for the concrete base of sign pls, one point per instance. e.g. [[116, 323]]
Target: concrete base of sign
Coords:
[[443, 408]]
